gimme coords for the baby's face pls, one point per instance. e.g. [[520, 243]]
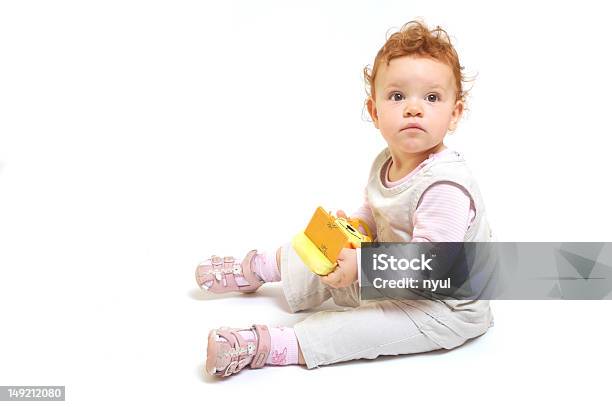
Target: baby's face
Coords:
[[415, 90]]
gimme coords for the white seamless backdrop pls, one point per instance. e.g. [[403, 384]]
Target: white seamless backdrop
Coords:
[[137, 138]]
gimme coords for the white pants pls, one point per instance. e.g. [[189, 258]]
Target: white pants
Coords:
[[373, 328]]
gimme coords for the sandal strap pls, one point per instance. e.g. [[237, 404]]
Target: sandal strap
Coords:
[[263, 346], [246, 271], [240, 350], [241, 356]]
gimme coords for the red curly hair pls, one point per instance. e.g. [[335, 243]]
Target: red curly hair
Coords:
[[414, 38]]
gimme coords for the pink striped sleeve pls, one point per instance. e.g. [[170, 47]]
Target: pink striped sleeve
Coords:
[[443, 214]]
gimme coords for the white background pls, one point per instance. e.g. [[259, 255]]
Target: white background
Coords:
[[138, 138]]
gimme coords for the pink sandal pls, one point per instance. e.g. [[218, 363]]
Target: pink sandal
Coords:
[[227, 358], [221, 273]]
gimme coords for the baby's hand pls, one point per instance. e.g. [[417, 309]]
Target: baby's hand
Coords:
[[345, 273], [341, 214]]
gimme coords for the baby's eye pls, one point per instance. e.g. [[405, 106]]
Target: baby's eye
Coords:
[[393, 96], [432, 97]]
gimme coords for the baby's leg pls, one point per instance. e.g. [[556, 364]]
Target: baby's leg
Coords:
[[303, 289], [376, 328], [328, 337]]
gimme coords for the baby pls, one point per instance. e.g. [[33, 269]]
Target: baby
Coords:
[[418, 191]]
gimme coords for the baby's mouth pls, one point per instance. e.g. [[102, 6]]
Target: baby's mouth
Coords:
[[412, 129], [412, 126]]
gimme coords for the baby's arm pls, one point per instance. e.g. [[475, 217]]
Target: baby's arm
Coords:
[[443, 214]]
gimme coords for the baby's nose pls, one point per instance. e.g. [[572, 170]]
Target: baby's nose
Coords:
[[412, 109]]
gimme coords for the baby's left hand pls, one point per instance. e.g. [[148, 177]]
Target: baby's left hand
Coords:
[[345, 273]]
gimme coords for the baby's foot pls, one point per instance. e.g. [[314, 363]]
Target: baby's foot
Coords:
[[262, 266], [230, 350], [225, 274]]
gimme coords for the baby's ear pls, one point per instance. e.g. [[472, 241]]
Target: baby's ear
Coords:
[[372, 110], [456, 115]]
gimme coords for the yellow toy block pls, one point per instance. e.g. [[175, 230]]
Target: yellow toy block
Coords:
[[324, 237]]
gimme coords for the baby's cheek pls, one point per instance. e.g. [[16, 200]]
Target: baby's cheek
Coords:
[[387, 130]]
